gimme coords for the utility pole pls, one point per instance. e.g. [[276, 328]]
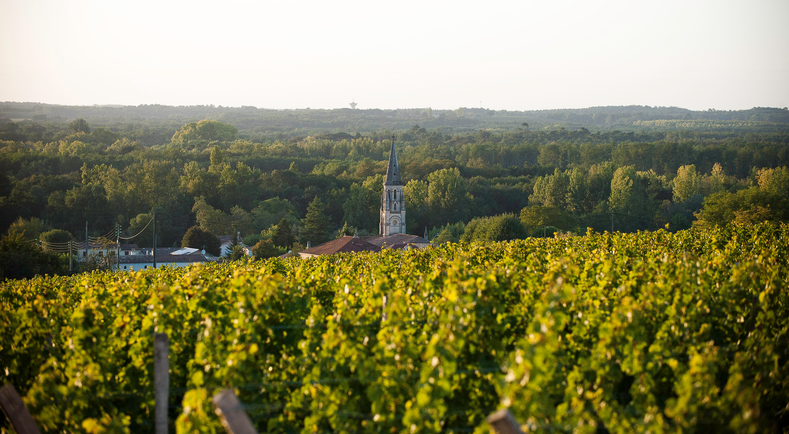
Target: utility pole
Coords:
[[118, 243], [70, 255], [154, 239], [87, 242]]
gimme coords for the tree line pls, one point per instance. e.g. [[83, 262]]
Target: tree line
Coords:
[[205, 175], [256, 122]]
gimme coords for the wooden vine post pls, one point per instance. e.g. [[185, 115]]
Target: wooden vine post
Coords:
[[503, 422], [16, 411], [161, 372], [232, 414]]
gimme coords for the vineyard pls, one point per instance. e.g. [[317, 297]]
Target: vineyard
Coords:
[[649, 332]]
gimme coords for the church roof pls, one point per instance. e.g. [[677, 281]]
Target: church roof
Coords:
[[391, 240], [342, 245], [393, 170]]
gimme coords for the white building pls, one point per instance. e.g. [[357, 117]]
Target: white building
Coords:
[[104, 250], [170, 257]]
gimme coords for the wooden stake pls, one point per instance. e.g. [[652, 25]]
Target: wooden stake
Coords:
[[154, 239], [229, 409], [161, 361], [503, 422], [15, 410]]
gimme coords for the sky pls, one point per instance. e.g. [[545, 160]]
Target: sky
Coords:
[[502, 55]]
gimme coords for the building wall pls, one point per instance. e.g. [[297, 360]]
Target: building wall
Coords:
[[144, 265], [392, 218]]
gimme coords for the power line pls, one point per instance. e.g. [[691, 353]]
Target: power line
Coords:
[[54, 243], [138, 233], [109, 234], [54, 246]]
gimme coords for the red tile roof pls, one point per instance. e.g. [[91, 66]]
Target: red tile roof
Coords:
[[345, 244], [391, 240]]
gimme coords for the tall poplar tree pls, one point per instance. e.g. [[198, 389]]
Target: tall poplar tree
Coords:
[[315, 226], [282, 235], [447, 196], [686, 183], [217, 157], [623, 190]]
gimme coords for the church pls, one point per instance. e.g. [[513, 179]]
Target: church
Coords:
[[392, 219], [391, 226]]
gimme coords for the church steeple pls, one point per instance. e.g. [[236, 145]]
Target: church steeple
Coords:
[[393, 171], [392, 201]]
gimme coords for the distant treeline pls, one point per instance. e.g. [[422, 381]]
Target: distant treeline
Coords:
[[266, 124]]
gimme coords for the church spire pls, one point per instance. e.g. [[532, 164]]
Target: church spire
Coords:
[[393, 171], [392, 200]]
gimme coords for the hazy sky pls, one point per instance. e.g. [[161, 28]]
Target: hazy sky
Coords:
[[514, 55]]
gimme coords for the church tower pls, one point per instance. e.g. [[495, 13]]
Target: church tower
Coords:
[[392, 202]]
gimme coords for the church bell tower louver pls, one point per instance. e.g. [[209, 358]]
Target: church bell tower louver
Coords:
[[392, 202]]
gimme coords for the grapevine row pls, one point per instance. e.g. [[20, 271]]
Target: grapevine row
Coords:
[[654, 332]]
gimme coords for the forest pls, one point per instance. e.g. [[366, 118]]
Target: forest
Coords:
[[230, 170]]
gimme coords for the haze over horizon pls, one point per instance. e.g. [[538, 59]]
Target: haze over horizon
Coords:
[[727, 55]]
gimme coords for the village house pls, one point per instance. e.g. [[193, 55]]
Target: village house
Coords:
[[169, 257], [104, 250], [226, 245]]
